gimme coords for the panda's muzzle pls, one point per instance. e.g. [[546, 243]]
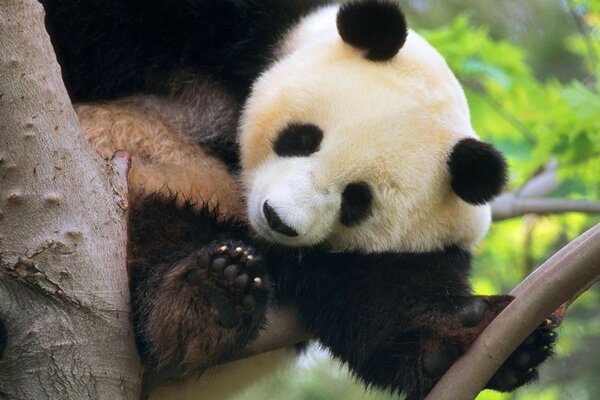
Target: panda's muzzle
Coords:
[[275, 222]]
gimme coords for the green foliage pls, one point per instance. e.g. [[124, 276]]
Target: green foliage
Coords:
[[533, 121]]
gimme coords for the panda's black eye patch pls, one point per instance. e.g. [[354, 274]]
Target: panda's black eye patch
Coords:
[[356, 203], [298, 140]]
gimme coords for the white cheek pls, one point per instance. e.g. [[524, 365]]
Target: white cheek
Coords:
[[288, 186]]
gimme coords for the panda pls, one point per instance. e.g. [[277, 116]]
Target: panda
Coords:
[[365, 185]]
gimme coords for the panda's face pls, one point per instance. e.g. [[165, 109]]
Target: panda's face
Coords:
[[342, 150]]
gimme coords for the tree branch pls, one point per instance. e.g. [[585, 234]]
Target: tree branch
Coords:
[[542, 184], [531, 198], [558, 281], [509, 206]]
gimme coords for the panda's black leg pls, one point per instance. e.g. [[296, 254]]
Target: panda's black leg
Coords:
[[411, 355], [198, 311], [442, 338], [399, 320]]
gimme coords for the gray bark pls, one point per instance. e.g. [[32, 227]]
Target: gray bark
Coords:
[[63, 284]]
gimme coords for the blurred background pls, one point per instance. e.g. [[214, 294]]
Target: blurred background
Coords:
[[531, 71]]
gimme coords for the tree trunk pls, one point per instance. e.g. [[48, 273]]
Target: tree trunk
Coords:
[[64, 296]]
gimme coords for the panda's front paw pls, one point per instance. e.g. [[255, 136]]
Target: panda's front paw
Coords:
[[520, 367], [233, 278]]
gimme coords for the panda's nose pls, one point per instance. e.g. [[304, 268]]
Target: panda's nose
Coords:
[[276, 223]]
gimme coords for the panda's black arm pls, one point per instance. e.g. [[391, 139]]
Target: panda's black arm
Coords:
[[112, 48], [194, 302], [397, 320]]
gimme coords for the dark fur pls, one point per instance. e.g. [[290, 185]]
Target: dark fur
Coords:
[[177, 294], [398, 320], [3, 338], [298, 140], [478, 171], [356, 203], [114, 48], [204, 111], [377, 26]]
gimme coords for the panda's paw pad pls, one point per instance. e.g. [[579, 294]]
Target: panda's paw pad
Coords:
[[437, 360], [520, 367], [233, 278], [478, 311], [473, 313]]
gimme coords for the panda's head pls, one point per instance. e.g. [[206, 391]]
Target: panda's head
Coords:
[[359, 137]]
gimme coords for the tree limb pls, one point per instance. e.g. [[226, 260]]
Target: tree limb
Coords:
[[64, 298], [558, 281], [532, 198], [542, 184], [509, 205]]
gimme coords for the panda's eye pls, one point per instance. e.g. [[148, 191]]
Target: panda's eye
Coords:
[[298, 140], [356, 203]]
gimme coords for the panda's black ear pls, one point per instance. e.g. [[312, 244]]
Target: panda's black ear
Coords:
[[478, 171], [377, 26]]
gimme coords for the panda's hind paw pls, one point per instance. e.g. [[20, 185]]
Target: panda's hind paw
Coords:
[[233, 278], [520, 367]]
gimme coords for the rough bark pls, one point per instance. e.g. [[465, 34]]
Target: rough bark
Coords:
[[63, 284]]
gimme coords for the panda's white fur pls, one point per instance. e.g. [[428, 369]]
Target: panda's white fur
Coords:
[[391, 124]]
